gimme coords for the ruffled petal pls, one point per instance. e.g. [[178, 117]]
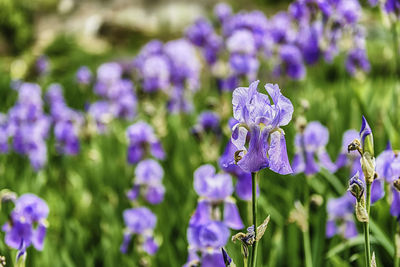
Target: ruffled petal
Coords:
[[278, 158]]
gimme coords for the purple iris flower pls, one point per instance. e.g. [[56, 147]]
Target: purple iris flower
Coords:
[[27, 225], [310, 145], [291, 62], [208, 239], [142, 140], [202, 34], [148, 177], [140, 221], [84, 75], [222, 11], [259, 122], [340, 217], [254, 21], [67, 122], [185, 71], [281, 29], [207, 122], [349, 11], [28, 125], [156, 73], [215, 188], [392, 6], [308, 40], [107, 74], [101, 113], [357, 60]]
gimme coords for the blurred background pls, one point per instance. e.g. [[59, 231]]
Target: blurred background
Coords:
[[87, 193]]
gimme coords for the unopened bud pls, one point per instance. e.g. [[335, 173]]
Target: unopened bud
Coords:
[[367, 139], [356, 187]]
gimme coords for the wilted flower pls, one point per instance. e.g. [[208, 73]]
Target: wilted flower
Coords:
[[143, 141], [259, 121], [27, 225], [310, 145]]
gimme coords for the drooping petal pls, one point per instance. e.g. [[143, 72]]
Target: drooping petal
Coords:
[[231, 216], [298, 165], [256, 157], [395, 206], [278, 158], [331, 229], [38, 236], [135, 154], [377, 190], [150, 246], [202, 214], [350, 230], [311, 165], [244, 187], [125, 243], [213, 259]]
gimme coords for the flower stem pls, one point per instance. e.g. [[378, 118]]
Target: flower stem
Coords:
[[396, 245], [306, 232], [366, 227], [254, 208]]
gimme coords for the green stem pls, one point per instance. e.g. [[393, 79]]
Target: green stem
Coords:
[[254, 208], [396, 248], [366, 227], [306, 232]]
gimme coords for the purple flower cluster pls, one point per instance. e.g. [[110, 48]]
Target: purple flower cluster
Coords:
[[310, 148], [27, 124], [141, 221], [259, 122], [209, 227], [161, 68], [119, 99], [27, 224], [306, 32], [67, 122]]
